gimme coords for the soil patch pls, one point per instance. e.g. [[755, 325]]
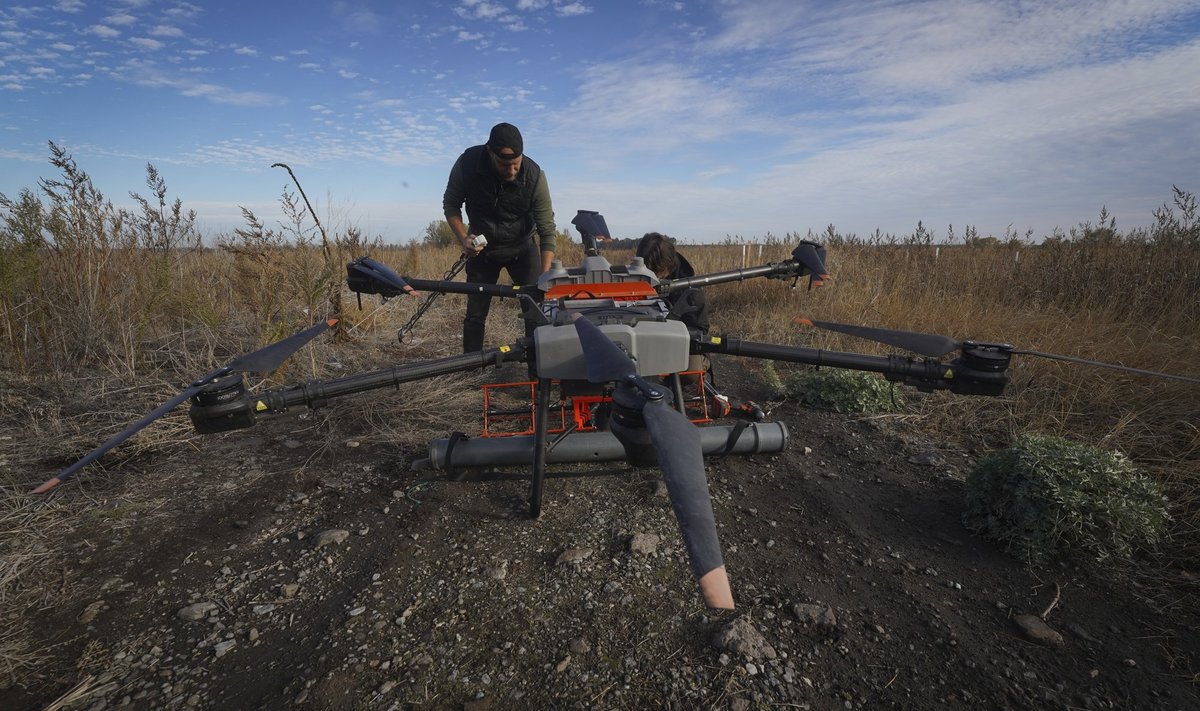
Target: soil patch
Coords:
[[338, 577]]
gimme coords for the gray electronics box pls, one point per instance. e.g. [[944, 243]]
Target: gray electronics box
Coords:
[[657, 348]]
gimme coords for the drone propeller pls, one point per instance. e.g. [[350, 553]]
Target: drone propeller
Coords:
[[935, 346], [262, 360], [676, 443], [812, 256], [591, 226], [369, 276]]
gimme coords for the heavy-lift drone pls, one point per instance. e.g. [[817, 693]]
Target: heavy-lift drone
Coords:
[[608, 339]]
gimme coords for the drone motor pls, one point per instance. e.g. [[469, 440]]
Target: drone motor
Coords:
[[981, 369], [221, 406]]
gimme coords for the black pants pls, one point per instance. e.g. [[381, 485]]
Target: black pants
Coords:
[[524, 265]]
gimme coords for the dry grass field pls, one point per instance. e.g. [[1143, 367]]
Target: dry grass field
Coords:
[[105, 312]]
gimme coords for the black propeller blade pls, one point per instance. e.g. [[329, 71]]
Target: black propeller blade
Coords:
[[262, 360], [676, 443], [926, 344], [605, 360], [935, 346]]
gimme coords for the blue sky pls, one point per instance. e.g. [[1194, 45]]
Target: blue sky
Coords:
[[698, 118]]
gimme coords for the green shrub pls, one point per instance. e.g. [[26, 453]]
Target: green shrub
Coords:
[[770, 375], [1046, 495], [843, 390]]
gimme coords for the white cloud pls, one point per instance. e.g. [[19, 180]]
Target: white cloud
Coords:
[[935, 45], [224, 95], [120, 18], [527, 5], [148, 74], [347, 74], [146, 43], [480, 10], [355, 17], [637, 107], [71, 6], [183, 11], [103, 31], [166, 31], [464, 36], [245, 51], [716, 172], [573, 9], [63, 47], [946, 116]]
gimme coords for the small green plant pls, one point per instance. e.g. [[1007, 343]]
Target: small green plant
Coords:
[[771, 377], [843, 390], [1046, 495]]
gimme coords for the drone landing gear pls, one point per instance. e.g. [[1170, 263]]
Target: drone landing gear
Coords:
[[540, 416], [572, 427]]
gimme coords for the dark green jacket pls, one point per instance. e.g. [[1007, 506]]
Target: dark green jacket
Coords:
[[505, 213]]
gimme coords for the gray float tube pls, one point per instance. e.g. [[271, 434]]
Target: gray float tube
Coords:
[[756, 438]]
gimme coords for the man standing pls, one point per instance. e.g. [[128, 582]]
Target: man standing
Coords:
[[508, 202]]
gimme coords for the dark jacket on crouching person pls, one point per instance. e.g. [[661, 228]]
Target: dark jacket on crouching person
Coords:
[[687, 305]]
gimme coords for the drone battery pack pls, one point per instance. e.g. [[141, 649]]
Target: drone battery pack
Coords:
[[656, 347]]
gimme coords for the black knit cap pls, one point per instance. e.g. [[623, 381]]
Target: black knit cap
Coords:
[[505, 135]]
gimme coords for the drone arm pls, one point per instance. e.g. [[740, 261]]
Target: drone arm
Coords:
[[980, 370], [775, 270], [221, 412], [767, 270], [459, 287]]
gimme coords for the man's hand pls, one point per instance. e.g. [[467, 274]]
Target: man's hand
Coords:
[[465, 240], [468, 246]]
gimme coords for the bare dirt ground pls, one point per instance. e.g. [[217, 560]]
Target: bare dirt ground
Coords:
[[320, 571]]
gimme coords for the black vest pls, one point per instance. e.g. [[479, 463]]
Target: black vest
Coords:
[[500, 211]]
